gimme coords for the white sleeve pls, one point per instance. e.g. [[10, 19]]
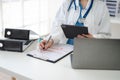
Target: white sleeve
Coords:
[[104, 31], [60, 18]]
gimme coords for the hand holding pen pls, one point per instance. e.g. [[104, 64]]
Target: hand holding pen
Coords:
[[45, 44]]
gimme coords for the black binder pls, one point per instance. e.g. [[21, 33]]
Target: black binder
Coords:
[[15, 40], [17, 34], [10, 45]]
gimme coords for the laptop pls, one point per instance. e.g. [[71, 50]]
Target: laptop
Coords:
[[96, 54]]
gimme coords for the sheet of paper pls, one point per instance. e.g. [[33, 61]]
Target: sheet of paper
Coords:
[[54, 53]]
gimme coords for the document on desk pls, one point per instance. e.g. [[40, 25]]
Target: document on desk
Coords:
[[53, 54]]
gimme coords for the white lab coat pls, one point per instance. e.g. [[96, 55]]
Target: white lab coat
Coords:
[[97, 20]]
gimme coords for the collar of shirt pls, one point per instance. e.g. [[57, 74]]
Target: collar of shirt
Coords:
[[88, 4]]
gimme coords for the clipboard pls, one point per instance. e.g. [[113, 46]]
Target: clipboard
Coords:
[[71, 31], [53, 54]]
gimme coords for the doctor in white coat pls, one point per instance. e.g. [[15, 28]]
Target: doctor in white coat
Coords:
[[91, 13]]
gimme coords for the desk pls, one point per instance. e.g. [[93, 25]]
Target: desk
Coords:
[[28, 68]]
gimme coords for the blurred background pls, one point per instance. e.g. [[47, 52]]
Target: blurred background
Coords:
[[37, 15]]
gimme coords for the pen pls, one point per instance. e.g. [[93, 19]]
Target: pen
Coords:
[[48, 41]]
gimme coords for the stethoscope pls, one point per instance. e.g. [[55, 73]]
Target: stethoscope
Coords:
[[72, 1], [87, 12]]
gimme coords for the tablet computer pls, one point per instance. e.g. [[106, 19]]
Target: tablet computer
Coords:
[[72, 31]]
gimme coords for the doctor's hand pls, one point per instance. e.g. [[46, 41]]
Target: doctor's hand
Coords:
[[85, 36], [44, 44]]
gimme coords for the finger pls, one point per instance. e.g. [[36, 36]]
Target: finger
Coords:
[[88, 36], [80, 36], [42, 44], [48, 45], [89, 33], [85, 36]]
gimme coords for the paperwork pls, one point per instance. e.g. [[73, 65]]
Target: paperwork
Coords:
[[53, 54]]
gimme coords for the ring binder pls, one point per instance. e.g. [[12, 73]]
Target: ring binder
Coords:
[[15, 40], [17, 34]]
